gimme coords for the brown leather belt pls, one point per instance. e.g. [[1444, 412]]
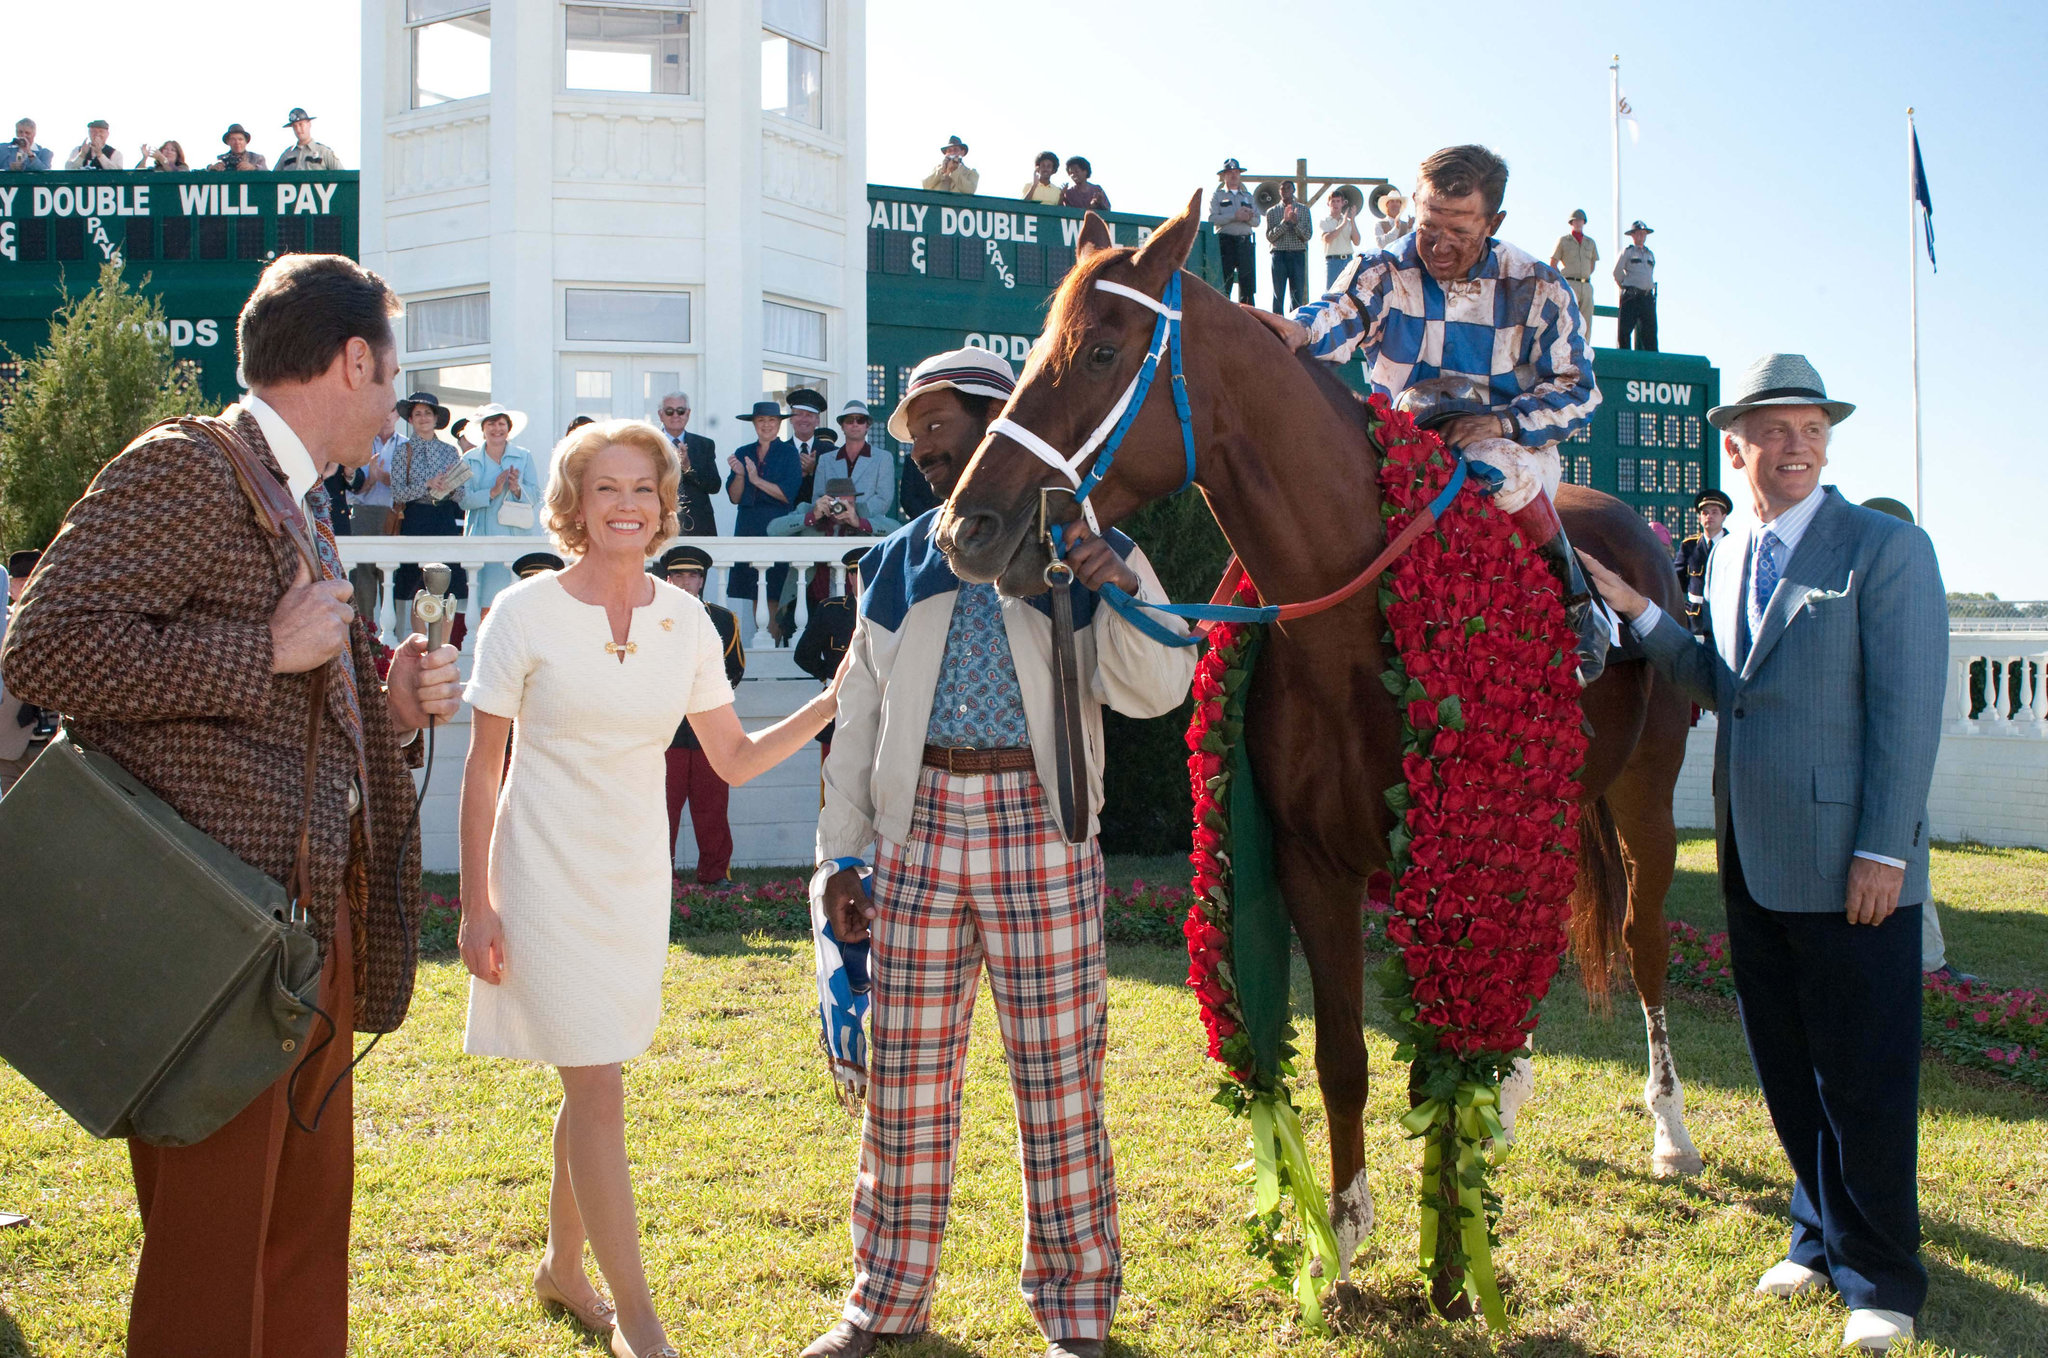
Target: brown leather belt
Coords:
[[973, 763]]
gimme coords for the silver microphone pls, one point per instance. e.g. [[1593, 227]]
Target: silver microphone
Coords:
[[433, 608]]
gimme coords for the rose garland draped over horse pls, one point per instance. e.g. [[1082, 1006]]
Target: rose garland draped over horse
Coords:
[[1282, 453]]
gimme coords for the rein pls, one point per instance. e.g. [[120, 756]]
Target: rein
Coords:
[[1108, 436]]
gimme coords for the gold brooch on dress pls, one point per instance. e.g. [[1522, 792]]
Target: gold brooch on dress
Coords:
[[668, 624], [622, 649]]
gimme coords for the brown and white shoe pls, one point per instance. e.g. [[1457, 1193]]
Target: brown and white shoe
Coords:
[[848, 1340], [1074, 1348]]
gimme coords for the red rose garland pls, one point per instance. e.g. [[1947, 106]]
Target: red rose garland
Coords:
[[1476, 898]]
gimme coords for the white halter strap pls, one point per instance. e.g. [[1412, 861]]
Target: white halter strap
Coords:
[[1070, 467]]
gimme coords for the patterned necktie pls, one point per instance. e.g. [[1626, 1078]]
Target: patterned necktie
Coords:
[[330, 567], [1766, 579]]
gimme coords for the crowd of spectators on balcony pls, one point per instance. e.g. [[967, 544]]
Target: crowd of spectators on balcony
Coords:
[[97, 152]]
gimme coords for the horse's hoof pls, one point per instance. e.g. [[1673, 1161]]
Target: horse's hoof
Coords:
[[1676, 1164], [1351, 1218]]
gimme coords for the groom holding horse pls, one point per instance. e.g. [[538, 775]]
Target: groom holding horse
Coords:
[[1479, 341]]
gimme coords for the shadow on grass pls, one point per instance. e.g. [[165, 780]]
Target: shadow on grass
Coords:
[[1958, 1301], [13, 1344]]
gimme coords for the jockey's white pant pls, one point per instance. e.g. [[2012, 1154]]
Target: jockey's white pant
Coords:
[[1526, 472]]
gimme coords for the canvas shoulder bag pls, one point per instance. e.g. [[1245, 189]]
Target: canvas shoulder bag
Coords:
[[151, 982]]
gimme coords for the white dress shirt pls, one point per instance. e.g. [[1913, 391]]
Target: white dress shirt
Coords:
[[287, 447]]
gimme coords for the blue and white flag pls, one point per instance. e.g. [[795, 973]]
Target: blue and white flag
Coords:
[[843, 990], [1921, 196]]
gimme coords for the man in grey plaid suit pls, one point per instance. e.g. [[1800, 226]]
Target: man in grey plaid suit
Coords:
[[1824, 655]]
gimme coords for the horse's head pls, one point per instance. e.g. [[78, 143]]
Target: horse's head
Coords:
[[1095, 342]]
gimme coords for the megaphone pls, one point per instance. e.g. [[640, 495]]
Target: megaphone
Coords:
[[1354, 200], [1267, 195]]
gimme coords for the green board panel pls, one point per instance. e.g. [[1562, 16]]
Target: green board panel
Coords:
[[1650, 443], [947, 270], [197, 241]]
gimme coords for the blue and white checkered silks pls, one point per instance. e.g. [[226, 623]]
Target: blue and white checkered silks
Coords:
[[843, 990], [1512, 326]]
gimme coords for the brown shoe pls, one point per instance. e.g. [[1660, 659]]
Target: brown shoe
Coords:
[[848, 1340], [1073, 1348]]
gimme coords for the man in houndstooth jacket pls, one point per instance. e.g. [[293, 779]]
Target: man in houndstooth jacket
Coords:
[[180, 638]]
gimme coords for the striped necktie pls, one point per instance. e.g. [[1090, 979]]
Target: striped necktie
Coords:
[[344, 664], [1765, 579]]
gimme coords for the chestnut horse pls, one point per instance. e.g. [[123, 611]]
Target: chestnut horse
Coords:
[[1283, 458]]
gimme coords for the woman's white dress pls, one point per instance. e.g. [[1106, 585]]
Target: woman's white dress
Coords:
[[580, 866]]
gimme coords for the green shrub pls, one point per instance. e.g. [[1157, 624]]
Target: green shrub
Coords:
[[1146, 807], [106, 374]]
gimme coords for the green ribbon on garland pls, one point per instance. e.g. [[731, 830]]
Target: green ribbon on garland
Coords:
[[1469, 1117], [1276, 1142]]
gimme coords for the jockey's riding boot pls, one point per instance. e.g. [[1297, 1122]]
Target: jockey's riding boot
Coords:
[[1538, 524]]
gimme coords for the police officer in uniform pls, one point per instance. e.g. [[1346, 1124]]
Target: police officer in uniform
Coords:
[[1713, 507], [691, 779], [829, 632]]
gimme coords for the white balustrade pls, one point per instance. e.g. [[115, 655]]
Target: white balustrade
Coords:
[[473, 554], [2013, 686]]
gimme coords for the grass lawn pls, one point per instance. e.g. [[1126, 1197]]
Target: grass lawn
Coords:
[[743, 1163]]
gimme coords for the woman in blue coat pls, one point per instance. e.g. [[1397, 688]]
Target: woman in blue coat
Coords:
[[502, 496]]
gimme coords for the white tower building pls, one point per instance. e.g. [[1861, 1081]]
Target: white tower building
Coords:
[[586, 206]]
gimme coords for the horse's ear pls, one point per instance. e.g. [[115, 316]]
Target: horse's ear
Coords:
[[1094, 237], [1166, 251]]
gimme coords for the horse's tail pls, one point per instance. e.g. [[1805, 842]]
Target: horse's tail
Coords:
[[1599, 902]]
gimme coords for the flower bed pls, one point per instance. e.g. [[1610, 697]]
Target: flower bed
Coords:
[[2004, 1032]]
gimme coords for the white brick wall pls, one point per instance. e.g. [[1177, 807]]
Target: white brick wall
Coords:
[[1991, 788]]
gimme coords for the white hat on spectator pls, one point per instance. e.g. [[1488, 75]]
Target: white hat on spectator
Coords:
[[976, 372], [852, 409], [496, 411]]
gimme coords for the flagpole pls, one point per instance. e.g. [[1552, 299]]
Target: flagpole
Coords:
[[1913, 296], [1614, 141]]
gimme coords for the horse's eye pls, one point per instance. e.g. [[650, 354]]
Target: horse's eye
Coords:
[[1101, 355]]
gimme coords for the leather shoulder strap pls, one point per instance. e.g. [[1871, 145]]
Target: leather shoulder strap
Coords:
[[280, 516]]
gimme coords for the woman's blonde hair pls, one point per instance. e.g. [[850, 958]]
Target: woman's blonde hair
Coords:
[[573, 454]]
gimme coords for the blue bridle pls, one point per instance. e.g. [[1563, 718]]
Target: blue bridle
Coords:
[[1109, 436], [1102, 446]]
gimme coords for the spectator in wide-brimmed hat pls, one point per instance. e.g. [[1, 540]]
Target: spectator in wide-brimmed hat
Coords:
[[238, 156], [692, 782], [1636, 272], [424, 472], [861, 462], [501, 491], [305, 153], [1235, 215], [763, 480], [94, 153], [1574, 256], [952, 174], [1387, 205]]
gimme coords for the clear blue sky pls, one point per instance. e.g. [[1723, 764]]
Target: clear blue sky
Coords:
[[1772, 162]]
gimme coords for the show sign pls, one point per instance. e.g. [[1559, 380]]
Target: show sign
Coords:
[[197, 241]]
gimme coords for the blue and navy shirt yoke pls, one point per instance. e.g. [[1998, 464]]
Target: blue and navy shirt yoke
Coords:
[[906, 568]]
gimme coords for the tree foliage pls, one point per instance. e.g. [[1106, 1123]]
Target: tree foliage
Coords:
[[106, 374], [1147, 807]]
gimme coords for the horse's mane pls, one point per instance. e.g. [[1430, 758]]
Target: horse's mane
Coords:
[[1066, 318]]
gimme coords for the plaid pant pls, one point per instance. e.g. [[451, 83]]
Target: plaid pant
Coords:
[[987, 876]]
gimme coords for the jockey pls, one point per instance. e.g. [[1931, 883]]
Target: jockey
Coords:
[[1479, 341]]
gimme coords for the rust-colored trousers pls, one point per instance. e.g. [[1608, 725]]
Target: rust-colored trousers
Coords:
[[245, 1235]]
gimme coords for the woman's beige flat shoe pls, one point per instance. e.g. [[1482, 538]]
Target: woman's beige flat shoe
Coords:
[[597, 1317], [621, 1349]]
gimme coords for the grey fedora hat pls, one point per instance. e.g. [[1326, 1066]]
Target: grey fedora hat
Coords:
[[1778, 380]]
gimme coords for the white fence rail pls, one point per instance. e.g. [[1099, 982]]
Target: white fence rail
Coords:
[[473, 553]]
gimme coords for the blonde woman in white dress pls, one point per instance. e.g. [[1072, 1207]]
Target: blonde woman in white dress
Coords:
[[565, 866]]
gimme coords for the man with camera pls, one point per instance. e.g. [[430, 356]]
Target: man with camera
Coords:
[[22, 153], [181, 636], [238, 156], [952, 174]]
